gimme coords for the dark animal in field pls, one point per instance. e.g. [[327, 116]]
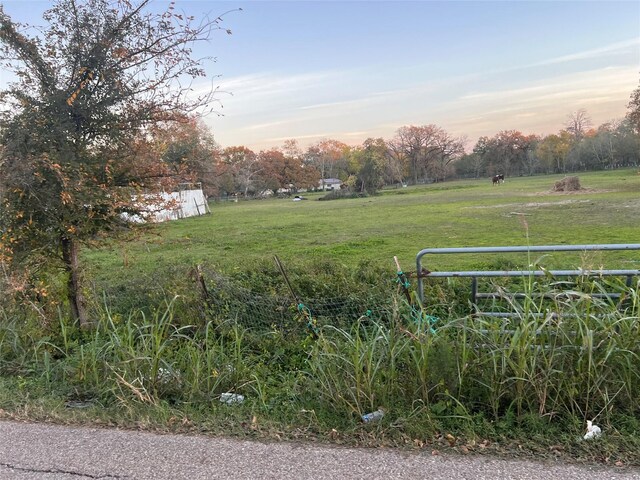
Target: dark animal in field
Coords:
[[497, 179]]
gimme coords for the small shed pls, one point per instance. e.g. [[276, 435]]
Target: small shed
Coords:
[[330, 184], [187, 201]]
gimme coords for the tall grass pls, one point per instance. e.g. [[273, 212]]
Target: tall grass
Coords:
[[575, 355], [562, 357], [357, 369]]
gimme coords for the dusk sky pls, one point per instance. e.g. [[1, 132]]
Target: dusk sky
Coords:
[[352, 70]]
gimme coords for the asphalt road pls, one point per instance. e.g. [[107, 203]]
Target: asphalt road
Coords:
[[46, 452]]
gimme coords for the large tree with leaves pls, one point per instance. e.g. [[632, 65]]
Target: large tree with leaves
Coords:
[[368, 163], [187, 151], [553, 150], [326, 156], [425, 150], [507, 152], [281, 171], [87, 85], [239, 171], [633, 115]]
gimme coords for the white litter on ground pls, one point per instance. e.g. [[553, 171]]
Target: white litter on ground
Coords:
[[593, 431]]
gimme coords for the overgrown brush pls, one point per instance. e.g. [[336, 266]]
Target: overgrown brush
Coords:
[[561, 358], [561, 353]]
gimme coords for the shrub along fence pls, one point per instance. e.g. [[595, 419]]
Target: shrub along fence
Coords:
[[359, 353]]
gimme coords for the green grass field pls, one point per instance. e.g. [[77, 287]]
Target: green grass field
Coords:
[[401, 222]]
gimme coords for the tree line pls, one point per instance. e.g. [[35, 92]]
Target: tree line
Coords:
[[415, 155], [577, 147]]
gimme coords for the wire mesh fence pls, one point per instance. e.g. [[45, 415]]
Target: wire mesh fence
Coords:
[[276, 310]]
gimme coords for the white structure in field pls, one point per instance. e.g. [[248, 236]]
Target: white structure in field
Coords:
[[330, 184], [181, 204], [165, 206]]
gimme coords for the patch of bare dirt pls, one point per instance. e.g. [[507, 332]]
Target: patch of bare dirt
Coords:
[[582, 191], [531, 204]]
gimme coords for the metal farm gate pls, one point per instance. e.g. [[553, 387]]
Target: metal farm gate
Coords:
[[474, 275]]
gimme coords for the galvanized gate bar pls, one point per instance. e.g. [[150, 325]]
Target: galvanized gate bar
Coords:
[[534, 273], [516, 273]]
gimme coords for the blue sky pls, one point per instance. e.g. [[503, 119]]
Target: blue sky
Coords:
[[352, 70]]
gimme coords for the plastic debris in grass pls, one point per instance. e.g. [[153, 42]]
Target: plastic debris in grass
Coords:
[[165, 376], [593, 431], [230, 398], [373, 416]]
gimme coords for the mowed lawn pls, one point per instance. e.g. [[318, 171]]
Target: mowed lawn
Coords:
[[400, 222]]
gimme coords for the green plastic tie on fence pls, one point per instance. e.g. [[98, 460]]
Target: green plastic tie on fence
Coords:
[[402, 280], [311, 323], [419, 317]]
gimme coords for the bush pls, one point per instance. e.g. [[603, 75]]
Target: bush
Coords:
[[343, 193]]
